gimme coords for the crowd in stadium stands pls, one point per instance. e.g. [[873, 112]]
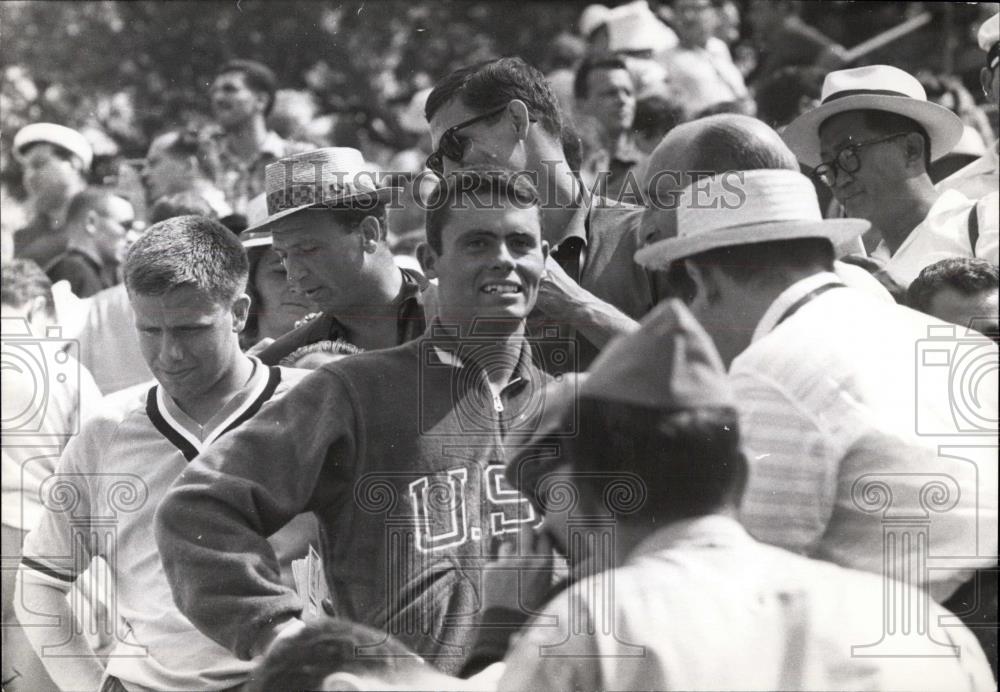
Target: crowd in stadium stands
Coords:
[[673, 367]]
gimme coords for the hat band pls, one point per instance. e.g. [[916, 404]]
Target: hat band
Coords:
[[864, 92], [307, 194]]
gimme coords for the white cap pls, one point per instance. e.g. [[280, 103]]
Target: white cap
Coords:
[[592, 17], [50, 133], [989, 32], [634, 27]]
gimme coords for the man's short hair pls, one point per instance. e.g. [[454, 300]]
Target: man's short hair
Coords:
[[727, 142], [655, 116], [689, 462], [768, 261], [21, 281], [581, 88], [180, 204], [188, 251], [467, 189], [490, 84], [333, 645], [258, 76], [86, 200], [967, 275], [186, 144], [779, 96]]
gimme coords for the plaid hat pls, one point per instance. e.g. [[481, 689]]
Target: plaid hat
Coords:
[[669, 364]]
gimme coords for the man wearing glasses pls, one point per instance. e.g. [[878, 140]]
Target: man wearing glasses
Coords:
[[872, 140], [98, 224], [502, 115]]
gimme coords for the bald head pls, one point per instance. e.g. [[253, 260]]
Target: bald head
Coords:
[[708, 146]]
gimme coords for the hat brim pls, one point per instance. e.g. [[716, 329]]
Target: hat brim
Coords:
[[662, 253], [383, 195], [943, 127]]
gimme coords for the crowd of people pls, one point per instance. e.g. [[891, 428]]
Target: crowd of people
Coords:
[[671, 367]]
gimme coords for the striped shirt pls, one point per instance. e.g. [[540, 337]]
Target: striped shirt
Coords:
[[101, 502], [854, 431]]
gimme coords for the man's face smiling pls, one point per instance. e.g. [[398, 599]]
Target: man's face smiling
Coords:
[[491, 263], [489, 143], [869, 192]]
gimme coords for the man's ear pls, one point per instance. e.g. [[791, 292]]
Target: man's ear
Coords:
[[90, 225], [986, 80], [520, 116], [342, 681], [703, 280], [37, 313], [241, 312], [428, 260], [372, 233], [545, 250], [914, 148]]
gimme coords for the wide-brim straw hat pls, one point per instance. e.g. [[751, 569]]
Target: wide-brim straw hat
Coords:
[[745, 207], [322, 178], [878, 88]]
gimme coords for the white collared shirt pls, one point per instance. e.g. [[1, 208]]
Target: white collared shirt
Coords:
[[850, 391], [700, 605], [978, 179], [942, 234]]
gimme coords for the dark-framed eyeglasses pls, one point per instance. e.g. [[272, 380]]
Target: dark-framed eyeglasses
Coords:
[[453, 146], [847, 159]]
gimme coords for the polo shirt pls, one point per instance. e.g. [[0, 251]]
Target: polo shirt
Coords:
[[40, 241], [700, 605], [942, 234], [101, 502], [410, 323], [852, 418]]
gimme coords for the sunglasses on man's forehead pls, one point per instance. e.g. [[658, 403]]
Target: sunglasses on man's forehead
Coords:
[[453, 146]]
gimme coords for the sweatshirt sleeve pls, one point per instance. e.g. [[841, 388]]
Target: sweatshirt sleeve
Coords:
[[213, 524]]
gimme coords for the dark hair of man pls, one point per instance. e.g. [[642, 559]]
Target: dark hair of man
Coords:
[[180, 204], [85, 201], [490, 84], [258, 77], [332, 645], [581, 88], [689, 461], [21, 281], [188, 251], [780, 95], [655, 116], [769, 262], [967, 275], [572, 146], [186, 144], [473, 189]]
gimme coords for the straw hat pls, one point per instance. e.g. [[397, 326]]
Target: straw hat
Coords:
[[330, 177], [879, 88], [744, 207]]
